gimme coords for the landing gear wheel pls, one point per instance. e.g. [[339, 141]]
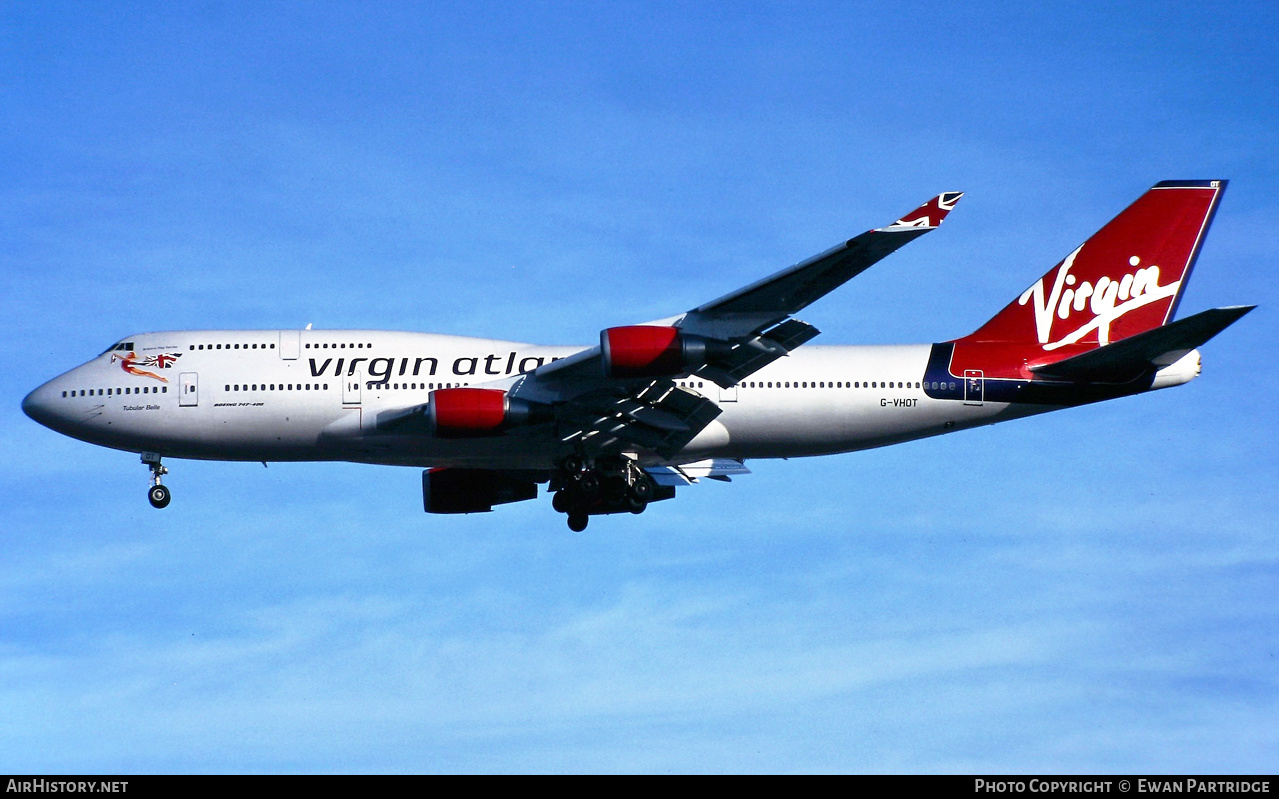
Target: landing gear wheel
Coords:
[[577, 522], [560, 502], [159, 496], [642, 490], [588, 483]]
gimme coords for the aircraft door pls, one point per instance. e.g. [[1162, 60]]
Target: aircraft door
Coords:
[[351, 388], [290, 344], [974, 387], [188, 389], [728, 394]]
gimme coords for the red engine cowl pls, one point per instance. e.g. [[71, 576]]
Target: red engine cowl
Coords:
[[472, 412], [466, 412], [650, 351]]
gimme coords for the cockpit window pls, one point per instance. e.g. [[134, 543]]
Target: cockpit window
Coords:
[[124, 346]]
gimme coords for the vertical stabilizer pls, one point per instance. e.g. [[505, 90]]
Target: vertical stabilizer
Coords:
[[1126, 279]]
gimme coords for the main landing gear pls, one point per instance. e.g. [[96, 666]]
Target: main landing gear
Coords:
[[585, 488], [158, 494]]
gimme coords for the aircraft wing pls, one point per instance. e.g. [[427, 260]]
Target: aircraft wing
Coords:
[[766, 302], [751, 327], [624, 396], [620, 395], [599, 418]]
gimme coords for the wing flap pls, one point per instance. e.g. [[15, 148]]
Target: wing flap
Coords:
[[661, 417], [687, 473], [748, 357]]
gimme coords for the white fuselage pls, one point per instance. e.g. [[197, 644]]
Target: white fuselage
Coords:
[[271, 395]]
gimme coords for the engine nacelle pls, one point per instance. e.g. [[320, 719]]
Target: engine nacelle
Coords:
[[475, 412], [472, 490], [651, 351]]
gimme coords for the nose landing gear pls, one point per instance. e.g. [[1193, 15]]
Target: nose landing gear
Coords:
[[158, 494]]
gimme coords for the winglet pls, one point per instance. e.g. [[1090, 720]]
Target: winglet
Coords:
[[930, 214]]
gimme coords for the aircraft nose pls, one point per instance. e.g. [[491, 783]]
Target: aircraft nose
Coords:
[[36, 406]]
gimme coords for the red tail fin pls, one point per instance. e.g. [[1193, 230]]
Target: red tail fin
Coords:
[[1124, 280]]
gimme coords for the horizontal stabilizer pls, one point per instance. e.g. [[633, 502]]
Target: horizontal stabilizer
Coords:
[[1154, 349]]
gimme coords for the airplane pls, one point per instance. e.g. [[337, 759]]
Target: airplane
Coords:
[[655, 406]]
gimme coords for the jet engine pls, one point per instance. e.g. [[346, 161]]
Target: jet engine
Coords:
[[472, 490], [474, 412], [651, 351]]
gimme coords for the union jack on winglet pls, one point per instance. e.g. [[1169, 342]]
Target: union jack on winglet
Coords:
[[930, 214]]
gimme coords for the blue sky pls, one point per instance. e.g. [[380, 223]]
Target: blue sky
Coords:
[[1094, 590]]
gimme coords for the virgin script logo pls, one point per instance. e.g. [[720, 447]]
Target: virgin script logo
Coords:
[[1107, 301]]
